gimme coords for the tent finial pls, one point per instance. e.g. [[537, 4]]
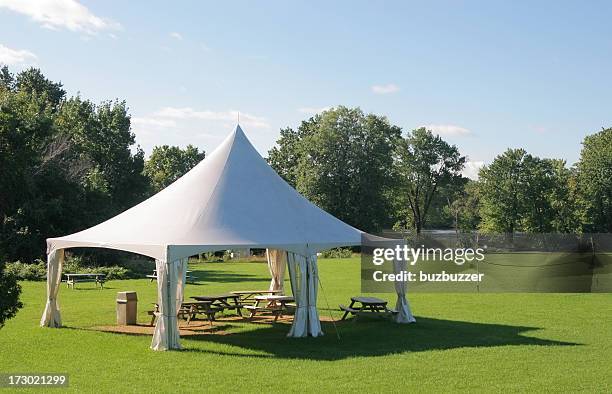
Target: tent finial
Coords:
[[238, 118]]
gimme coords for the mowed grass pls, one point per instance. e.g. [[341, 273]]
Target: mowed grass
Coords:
[[476, 342]]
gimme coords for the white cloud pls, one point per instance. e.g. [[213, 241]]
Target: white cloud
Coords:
[[447, 129], [205, 47], [176, 36], [385, 89], [231, 115], [56, 14], [11, 57], [312, 110], [539, 129], [471, 169]]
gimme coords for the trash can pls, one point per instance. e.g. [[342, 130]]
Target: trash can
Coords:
[[127, 303]]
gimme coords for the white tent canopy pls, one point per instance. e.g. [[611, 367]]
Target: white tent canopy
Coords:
[[231, 200]]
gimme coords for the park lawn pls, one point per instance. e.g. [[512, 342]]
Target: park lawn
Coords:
[[482, 342]]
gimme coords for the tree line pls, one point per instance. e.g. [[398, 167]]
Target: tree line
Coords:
[[67, 163], [362, 169]]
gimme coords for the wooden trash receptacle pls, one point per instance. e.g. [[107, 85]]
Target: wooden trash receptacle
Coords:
[[127, 308]]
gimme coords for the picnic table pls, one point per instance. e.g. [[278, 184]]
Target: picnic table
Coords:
[[72, 279], [369, 305], [274, 304], [188, 278], [248, 296], [189, 310], [223, 301]]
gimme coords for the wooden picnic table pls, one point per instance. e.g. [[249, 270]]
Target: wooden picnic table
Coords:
[[72, 279], [368, 305], [275, 304], [248, 296], [190, 310], [188, 278], [223, 301]]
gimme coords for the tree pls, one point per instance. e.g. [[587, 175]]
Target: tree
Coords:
[[563, 196], [285, 156], [341, 160], [521, 192], [9, 295], [59, 156], [594, 181], [464, 206], [26, 126], [33, 82], [168, 163], [425, 163]]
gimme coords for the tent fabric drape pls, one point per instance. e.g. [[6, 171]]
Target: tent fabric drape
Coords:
[[170, 291], [303, 273], [277, 261], [51, 316], [404, 314]]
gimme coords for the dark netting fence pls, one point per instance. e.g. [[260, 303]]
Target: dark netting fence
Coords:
[[444, 261]]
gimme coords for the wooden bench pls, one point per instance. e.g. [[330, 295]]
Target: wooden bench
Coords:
[[189, 310], [188, 278], [273, 304], [223, 301], [275, 311], [349, 310], [73, 279]]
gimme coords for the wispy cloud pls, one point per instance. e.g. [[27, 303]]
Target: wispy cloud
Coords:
[[246, 119], [57, 14], [471, 169], [313, 110], [385, 89], [447, 129], [176, 36], [11, 56]]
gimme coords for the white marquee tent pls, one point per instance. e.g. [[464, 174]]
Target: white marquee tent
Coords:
[[231, 200]]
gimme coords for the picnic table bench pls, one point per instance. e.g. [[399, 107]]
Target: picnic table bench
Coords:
[[188, 278], [222, 301], [72, 279], [248, 296], [275, 304], [369, 305], [189, 311]]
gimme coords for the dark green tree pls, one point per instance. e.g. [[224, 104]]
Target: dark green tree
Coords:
[[341, 160], [521, 192], [594, 181], [58, 157], [285, 156], [9, 295], [425, 164], [33, 82], [168, 163]]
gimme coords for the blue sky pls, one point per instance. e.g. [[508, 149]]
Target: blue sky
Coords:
[[484, 75]]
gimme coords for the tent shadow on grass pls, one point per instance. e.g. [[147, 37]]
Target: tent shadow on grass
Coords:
[[373, 338]]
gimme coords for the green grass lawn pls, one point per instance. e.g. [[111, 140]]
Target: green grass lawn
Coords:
[[484, 342]]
